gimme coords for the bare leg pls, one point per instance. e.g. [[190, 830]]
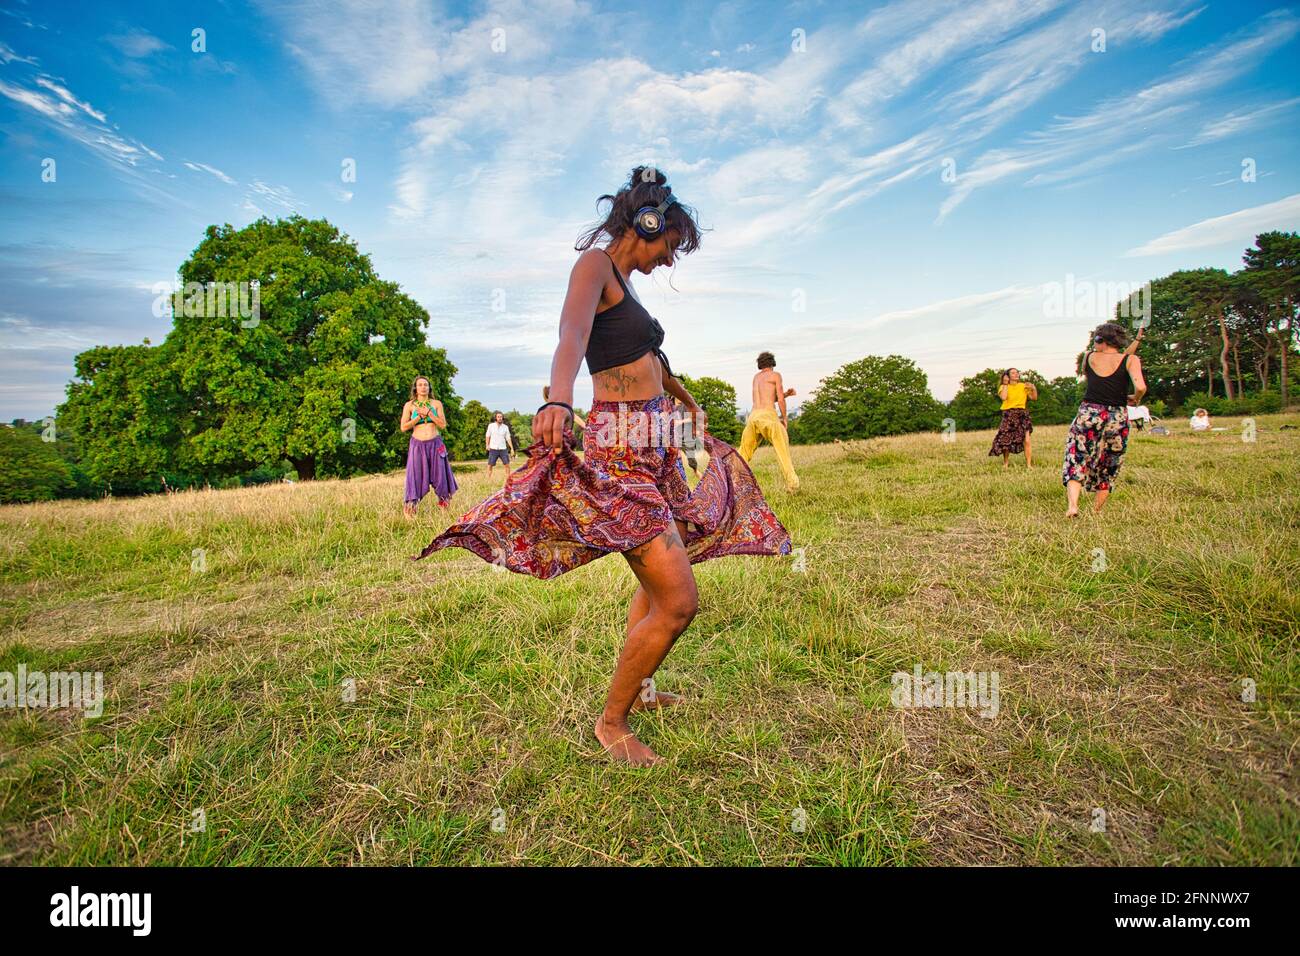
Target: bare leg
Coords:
[[1006, 459], [1072, 495], [638, 609], [1029, 454], [1099, 500], [665, 574]]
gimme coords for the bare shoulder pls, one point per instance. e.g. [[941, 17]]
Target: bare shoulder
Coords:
[[591, 263]]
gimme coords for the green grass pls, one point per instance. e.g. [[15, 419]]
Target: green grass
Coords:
[[476, 690]]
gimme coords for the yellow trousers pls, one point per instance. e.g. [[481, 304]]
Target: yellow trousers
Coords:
[[766, 424]]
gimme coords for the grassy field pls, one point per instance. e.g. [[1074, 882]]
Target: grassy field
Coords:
[[469, 739]]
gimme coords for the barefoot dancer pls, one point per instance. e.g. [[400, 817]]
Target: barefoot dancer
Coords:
[[1094, 449], [426, 455], [558, 511], [1013, 434]]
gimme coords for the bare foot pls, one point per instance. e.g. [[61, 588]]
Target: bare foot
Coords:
[[621, 744], [662, 699], [1072, 513]]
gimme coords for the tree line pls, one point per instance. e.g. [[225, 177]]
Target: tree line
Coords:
[[309, 385]]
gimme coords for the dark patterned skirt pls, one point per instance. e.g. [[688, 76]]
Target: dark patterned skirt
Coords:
[[1095, 447], [558, 512], [1010, 439]]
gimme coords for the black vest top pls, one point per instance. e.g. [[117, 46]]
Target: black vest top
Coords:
[[623, 333], [1109, 389]]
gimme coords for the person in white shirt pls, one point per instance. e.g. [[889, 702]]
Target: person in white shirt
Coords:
[[500, 443], [1200, 421]]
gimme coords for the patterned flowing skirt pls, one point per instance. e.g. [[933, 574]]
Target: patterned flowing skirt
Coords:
[[427, 466], [1095, 447], [558, 512], [1010, 439]]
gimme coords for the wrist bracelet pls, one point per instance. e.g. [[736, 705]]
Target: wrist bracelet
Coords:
[[563, 405]]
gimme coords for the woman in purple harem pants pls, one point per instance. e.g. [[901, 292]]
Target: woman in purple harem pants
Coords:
[[427, 464]]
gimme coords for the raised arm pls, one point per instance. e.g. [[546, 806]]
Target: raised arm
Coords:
[[1133, 346], [1139, 383], [585, 282], [439, 416], [1031, 390]]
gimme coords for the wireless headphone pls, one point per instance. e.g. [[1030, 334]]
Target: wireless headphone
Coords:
[[650, 221]]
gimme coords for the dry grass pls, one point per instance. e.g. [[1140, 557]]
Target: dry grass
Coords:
[[476, 690]]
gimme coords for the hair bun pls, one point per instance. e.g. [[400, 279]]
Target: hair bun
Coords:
[[648, 174]]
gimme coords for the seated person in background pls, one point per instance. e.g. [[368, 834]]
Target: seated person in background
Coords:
[[1200, 420]]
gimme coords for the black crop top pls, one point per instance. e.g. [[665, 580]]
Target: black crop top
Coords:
[[623, 333], [1109, 389]]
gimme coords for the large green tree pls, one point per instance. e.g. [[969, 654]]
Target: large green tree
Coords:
[[312, 367], [875, 395]]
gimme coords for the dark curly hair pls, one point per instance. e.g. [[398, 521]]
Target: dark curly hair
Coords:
[[646, 186], [1111, 333]]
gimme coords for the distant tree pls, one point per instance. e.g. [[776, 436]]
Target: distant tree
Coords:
[[470, 442], [30, 468], [124, 415], [718, 399], [873, 396], [976, 404], [521, 428], [1273, 270], [1056, 404]]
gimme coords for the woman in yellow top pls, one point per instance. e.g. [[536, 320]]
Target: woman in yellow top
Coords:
[[1013, 434]]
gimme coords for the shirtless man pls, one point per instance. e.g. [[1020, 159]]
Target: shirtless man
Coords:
[[763, 422]]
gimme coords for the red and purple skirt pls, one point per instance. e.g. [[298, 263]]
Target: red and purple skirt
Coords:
[[558, 512]]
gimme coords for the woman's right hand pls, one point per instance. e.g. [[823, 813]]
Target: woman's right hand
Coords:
[[548, 426]]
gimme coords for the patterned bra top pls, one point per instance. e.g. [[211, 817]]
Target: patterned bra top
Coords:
[[624, 332]]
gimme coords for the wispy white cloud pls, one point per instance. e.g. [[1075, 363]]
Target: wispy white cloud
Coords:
[[137, 44], [212, 170], [1238, 227], [1123, 119], [7, 55], [67, 114], [1238, 121]]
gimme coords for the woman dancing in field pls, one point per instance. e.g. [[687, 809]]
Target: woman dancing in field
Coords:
[[1094, 449], [426, 455], [1013, 435], [560, 511]]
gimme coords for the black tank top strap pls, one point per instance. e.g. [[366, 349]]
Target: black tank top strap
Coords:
[[617, 275]]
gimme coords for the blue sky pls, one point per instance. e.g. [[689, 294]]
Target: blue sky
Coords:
[[915, 174]]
